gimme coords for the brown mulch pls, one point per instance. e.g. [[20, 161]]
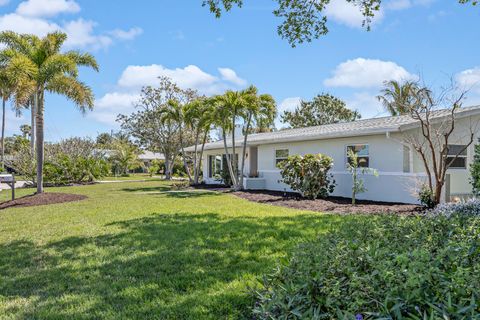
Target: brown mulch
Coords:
[[41, 199], [330, 204]]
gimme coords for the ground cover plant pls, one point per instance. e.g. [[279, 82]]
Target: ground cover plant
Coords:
[[408, 268], [140, 250]]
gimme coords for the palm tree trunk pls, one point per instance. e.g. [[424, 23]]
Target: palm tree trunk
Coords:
[[196, 169], [32, 124], [201, 154], [229, 162], [40, 141], [3, 134], [185, 163], [244, 151]]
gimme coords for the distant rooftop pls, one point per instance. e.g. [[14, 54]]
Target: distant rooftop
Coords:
[[337, 130]]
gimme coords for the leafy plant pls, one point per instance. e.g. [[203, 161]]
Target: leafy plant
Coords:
[[353, 166], [475, 171], [380, 268], [426, 197], [468, 208], [308, 175]]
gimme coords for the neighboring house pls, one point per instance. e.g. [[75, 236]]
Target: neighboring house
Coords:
[[147, 157], [381, 146]]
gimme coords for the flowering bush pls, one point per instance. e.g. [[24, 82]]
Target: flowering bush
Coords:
[[308, 175], [468, 208]]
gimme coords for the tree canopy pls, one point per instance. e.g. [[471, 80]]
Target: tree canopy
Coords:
[[323, 109], [304, 21]]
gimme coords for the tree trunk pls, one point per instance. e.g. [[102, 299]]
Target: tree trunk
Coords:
[[3, 134], [40, 141], [32, 124], [438, 191], [168, 174], [244, 151], [195, 158], [201, 154], [229, 162], [185, 163]]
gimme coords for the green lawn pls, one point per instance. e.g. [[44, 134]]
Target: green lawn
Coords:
[[137, 250]]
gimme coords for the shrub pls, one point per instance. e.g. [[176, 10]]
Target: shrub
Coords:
[[426, 197], [469, 208], [308, 174], [380, 268], [475, 171]]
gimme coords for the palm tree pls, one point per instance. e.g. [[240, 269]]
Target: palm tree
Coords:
[[53, 71], [198, 116], [396, 97]]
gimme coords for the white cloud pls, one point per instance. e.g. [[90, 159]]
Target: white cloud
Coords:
[[126, 34], [134, 77], [231, 76], [47, 8], [364, 73], [469, 79], [20, 24], [346, 13], [4, 2], [367, 104], [190, 76], [288, 104], [81, 35]]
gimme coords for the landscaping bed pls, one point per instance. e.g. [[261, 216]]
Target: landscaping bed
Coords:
[[41, 199], [330, 204]]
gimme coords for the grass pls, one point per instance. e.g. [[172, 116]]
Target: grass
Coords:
[[133, 176], [139, 250]]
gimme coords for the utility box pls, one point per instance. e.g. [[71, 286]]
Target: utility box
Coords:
[[10, 180]]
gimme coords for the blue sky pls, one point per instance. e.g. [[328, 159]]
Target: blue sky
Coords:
[[134, 42]]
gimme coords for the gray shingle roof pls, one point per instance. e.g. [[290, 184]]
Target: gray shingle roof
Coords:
[[336, 130]]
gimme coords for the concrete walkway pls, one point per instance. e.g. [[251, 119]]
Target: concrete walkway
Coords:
[[18, 184]]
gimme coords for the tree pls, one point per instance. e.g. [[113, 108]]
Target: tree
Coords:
[[306, 20], [26, 130], [437, 120], [323, 109], [51, 70], [147, 126], [397, 97], [124, 157], [104, 139], [355, 168], [475, 171]]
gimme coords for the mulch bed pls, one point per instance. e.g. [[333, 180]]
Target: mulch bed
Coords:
[[41, 199], [330, 204]]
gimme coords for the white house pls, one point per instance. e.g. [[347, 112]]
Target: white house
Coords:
[[380, 143]]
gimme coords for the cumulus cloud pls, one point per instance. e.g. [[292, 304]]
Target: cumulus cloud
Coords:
[[346, 13], [231, 76], [469, 78], [134, 77], [4, 2], [365, 73], [367, 104], [21, 24], [81, 35], [47, 8]]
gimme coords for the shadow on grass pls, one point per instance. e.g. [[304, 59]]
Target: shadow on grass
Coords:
[[166, 266], [168, 192]]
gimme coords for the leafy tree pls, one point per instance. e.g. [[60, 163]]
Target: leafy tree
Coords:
[[305, 20], [124, 157], [323, 109], [475, 171], [104, 139], [308, 175], [353, 166], [51, 70], [26, 130], [397, 97]]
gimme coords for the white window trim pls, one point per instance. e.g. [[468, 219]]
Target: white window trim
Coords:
[[461, 156], [357, 144], [282, 158]]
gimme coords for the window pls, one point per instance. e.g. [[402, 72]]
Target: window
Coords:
[[280, 155], [461, 161], [214, 166], [362, 152]]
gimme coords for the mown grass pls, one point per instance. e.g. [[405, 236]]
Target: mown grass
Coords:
[[138, 250]]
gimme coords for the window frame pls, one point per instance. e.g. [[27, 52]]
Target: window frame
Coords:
[[275, 160], [461, 156], [354, 145]]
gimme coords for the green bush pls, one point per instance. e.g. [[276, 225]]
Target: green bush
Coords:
[[380, 268], [475, 171], [308, 175], [426, 197]]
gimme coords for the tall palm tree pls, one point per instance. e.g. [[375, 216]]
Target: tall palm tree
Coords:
[[396, 97], [53, 71]]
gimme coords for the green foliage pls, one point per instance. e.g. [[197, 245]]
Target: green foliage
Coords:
[[475, 171], [382, 268], [353, 166], [304, 21], [124, 157], [64, 169], [426, 197], [323, 109], [154, 168], [398, 98], [308, 174]]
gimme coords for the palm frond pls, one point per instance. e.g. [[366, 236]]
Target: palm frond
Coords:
[[73, 89], [83, 59], [57, 64]]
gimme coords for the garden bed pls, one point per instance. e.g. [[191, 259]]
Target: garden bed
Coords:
[[330, 204], [41, 199]]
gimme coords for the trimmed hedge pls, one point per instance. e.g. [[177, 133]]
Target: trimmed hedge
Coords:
[[380, 268]]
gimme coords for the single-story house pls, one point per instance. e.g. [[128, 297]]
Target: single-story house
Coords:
[[380, 143]]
